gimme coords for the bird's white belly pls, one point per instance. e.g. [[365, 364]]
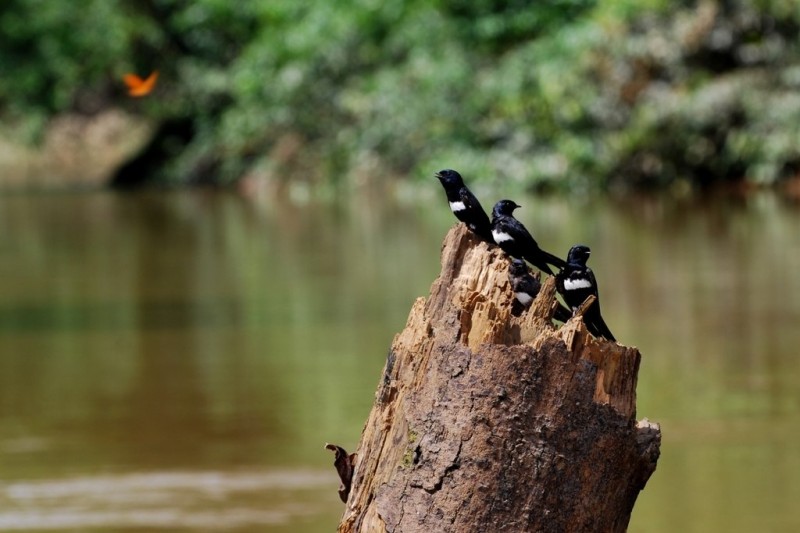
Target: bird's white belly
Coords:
[[455, 207], [574, 284], [501, 236], [523, 297]]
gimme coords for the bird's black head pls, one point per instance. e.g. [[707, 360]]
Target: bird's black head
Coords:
[[518, 268], [578, 254], [504, 207], [450, 177]]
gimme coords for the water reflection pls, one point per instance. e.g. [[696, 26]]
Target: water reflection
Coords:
[[159, 333], [166, 357], [166, 501]]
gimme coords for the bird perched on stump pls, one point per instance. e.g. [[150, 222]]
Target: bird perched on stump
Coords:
[[575, 283], [524, 285], [464, 205], [527, 286], [516, 241]]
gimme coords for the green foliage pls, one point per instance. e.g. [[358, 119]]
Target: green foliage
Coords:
[[498, 25], [564, 93], [53, 57]]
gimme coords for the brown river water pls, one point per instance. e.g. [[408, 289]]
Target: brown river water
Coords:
[[176, 361]]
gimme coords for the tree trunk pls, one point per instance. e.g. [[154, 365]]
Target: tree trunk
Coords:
[[487, 421]]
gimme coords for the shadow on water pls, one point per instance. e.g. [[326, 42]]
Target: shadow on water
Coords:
[[176, 361]]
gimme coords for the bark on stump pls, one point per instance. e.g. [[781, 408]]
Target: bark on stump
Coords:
[[486, 421]]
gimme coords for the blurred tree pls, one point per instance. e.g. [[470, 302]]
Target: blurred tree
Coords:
[[563, 93]]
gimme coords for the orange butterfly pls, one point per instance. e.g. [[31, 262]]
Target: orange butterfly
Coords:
[[137, 87]]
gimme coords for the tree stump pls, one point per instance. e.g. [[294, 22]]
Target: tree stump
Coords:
[[487, 421]]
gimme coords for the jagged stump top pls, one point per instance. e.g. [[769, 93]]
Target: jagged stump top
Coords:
[[473, 287]]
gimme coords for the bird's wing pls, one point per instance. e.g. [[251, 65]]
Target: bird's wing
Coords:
[[518, 231], [502, 225], [590, 276], [534, 254], [468, 198], [594, 317], [563, 273], [529, 247], [530, 285], [478, 219], [472, 203]]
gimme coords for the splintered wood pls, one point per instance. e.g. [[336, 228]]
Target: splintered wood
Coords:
[[486, 421]]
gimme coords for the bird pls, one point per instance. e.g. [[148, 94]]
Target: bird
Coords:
[[464, 205], [575, 282], [516, 241], [524, 285]]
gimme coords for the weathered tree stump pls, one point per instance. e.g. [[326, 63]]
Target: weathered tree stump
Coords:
[[485, 421]]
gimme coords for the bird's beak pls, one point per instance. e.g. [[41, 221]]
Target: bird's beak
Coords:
[[438, 175]]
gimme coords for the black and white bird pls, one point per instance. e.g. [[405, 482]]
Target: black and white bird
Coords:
[[464, 205], [575, 283], [524, 285], [516, 241]]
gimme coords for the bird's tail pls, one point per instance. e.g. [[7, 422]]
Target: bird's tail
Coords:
[[595, 323], [602, 328], [554, 260], [540, 264], [562, 314]]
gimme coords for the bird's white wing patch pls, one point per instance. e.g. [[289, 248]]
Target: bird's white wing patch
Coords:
[[523, 297], [501, 236], [574, 284], [457, 206]]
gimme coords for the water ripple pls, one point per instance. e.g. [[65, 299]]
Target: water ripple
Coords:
[[203, 500]]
